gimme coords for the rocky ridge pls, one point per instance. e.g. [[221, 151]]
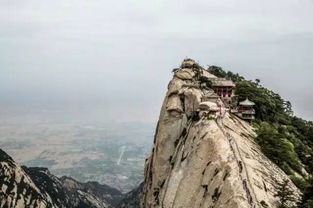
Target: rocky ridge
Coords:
[[17, 188], [200, 160], [38, 188]]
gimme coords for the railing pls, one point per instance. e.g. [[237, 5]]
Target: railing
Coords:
[[248, 116]]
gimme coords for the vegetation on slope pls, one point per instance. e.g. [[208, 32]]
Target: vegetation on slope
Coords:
[[284, 138]]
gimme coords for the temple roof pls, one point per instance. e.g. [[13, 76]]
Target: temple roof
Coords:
[[207, 74], [247, 102]]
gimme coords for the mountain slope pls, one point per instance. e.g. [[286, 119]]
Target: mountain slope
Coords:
[[17, 188], [132, 199], [67, 192], [36, 187], [200, 161]]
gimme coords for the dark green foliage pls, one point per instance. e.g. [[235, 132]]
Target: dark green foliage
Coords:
[[205, 80], [307, 198], [299, 182], [277, 147], [285, 194], [234, 77], [196, 66], [304, 129], [269, 105], [219, 72]]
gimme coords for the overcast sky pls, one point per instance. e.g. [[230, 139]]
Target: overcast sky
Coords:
[[118, 55]]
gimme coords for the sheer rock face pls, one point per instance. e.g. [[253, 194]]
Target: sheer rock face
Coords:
[[207, 162]]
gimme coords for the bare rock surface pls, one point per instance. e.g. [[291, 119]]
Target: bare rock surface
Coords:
[[17, 188], [200, 162]]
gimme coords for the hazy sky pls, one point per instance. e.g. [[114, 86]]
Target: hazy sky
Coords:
[[118, 55]]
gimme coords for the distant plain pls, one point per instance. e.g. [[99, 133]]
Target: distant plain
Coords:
[[111, 153]]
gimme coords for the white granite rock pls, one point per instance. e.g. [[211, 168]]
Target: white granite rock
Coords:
[[207, 162]]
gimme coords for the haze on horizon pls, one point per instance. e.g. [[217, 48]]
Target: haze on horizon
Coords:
[[116, 57]]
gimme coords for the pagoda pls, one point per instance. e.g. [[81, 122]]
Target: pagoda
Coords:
[[246, 110]]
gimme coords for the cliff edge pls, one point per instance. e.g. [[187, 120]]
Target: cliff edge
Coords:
[[204, 156]]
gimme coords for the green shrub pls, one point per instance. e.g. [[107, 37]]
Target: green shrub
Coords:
[[299, 182], [285, 194]]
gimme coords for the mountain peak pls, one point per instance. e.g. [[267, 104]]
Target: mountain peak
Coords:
[[4, 157], [204, 154]]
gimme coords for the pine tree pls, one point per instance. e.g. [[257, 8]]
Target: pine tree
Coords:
[[285, 194], [307, 198]]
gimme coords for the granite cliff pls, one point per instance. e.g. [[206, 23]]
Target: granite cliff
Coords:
[[203, 156]]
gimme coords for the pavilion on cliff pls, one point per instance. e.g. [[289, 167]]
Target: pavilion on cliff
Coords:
[[246, 110]]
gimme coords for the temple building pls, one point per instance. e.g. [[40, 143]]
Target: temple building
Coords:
[[246, 110], [217, 90], [224, 89]]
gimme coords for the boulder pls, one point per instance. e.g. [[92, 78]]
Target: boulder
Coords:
[[174, 104], [185, 74], [209, 106]]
